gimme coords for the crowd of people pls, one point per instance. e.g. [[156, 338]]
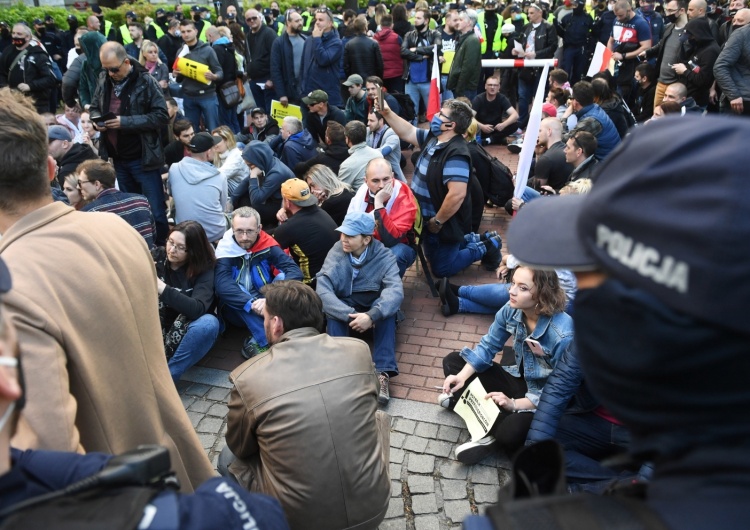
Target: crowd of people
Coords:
[[194, 206]]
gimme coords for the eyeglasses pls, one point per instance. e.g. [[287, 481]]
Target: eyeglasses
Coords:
[[116, 70], [250, 19], [246, 232], [488, 85], [447, 118], [179, 248], [83, 182]]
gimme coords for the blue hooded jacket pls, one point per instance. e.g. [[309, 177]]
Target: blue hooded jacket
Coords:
[[275, 174], [299, 147], [321, 59]]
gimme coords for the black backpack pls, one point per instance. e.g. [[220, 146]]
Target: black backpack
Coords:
[[407, 106], [501, 180]]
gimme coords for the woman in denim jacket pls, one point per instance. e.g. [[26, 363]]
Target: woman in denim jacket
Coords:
[[541, 333]]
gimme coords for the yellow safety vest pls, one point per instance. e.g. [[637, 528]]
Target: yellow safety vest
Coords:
[[496, 39], [203, 36], [107, 28], [307, 19], [158, 30], [125, 34]]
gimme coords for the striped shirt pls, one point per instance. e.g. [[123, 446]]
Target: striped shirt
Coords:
[[456, 169], [132, 207]]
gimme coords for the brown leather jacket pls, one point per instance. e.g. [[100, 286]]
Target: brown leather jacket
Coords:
[[304, 426]]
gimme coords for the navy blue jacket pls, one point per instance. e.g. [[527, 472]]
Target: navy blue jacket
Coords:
[[217, 503], [321, 60], [282, 70]]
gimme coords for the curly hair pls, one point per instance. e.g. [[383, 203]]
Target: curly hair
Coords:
[[550, 297]]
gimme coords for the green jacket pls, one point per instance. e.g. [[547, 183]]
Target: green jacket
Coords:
[[467, 65]]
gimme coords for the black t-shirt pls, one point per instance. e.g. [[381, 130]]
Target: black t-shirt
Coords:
[[553, 167], [309, 235], [337, 205], [490, 112]]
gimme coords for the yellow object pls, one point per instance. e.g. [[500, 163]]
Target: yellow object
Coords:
[[279, 111], [192, 69]]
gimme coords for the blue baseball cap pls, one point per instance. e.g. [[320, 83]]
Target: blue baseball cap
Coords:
[[357, 223], [673, 220]]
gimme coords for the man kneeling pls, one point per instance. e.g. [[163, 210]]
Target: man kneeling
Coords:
[[303, 424]]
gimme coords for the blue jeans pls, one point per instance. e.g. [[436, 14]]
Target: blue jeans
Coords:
[[574, 61], [228, 117], [384, 342], [132, 178], [587, 439], [251, 321], [199, 338], [471, 94], [446, 94], [262, 97], [484, 299], [405, 256], [206, 106], [447, 259], [416, 91]]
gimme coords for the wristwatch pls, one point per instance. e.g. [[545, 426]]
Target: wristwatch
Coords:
[[437, 221]]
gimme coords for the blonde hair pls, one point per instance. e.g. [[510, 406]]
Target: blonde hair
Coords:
[[145, 46], [471, 130], [577, 187], [226, 134], [225, 32]]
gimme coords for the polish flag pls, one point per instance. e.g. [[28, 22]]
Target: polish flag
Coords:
[[600, 61], [433, 103]]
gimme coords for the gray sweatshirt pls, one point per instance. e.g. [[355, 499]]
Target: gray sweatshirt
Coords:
[[200, 194]]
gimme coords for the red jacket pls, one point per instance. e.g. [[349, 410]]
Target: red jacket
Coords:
[[390, 49], [394, 222]]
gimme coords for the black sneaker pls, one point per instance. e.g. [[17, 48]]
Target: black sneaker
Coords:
[[472, 452], [448, 300], [384, 394], [491, 258], [487, 235]]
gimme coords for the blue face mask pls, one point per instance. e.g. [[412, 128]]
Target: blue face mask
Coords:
[[435, 125]]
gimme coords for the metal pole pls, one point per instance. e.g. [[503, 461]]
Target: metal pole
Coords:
[[518, 63]]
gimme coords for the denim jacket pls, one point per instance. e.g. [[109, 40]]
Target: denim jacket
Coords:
[[555, 334]]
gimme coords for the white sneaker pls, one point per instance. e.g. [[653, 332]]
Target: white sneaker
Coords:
[[472, 452], [444, 400]]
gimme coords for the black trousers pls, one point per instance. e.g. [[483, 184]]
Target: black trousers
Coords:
[[509, 429]]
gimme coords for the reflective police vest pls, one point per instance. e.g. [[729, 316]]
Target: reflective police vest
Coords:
[[496, 45], [125, 34], [157, 29]]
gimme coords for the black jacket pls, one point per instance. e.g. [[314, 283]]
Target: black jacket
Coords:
[[170, 45], [317, 127], [362, 56], [35, 69], [225, 55], [699, 59], [412, 39], [143, 114], [545, 45], [259, 53], [332, 156], [282, 70], [69, 162]]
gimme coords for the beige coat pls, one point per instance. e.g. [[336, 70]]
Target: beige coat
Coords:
[[84, 301], [304, 426]]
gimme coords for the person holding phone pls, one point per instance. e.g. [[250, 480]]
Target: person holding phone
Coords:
[[542, 332]]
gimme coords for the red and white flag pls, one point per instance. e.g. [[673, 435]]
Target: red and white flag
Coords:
[[433, 103], [601, 60]]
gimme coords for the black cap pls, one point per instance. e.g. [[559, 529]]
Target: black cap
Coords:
[[37, 22], [160, 11], [202, 142], [96, 9], [49, 18], [131, 14]]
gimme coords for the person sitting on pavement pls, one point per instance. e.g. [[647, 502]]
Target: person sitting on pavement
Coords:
[[96, 181], [678, 93], [247, 259], [374, 85], [30, 475], [294, 144], [320, 113], [440, 183], [68, 154], [332, 155], [333, 195], [534, 316], [551, 168], [303, 423], [394, 208], [262, 128], [380, 136], [262, 189], [228, 158], [579, 152], [593, 119], [361, 289], [199, 189], [185, 283], [305, 229], [352, 170], [356, 107], [496, 116], [177, 150], [73, 193]]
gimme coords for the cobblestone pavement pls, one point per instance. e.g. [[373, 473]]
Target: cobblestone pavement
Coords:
[[429, 488]]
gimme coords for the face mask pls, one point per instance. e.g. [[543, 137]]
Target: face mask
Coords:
[[732, 13], [610, 7], [671, 19], [275, 12], [79, 51], [177, 33], [41, 31], [517, 17], [208, 17], [435, 125], [419, 27], [197, 17], [18, 42]]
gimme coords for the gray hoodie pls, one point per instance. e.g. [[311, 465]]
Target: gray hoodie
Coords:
[[200, 194], [204, 54]]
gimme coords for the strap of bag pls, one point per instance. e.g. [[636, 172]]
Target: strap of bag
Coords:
[[17, 60]]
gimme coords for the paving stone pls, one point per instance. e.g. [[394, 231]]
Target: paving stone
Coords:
[[395, 508], [415, 444], [426, 430], [207, 440], [421, 484], [421, 464], [397, 439], [485, 494], [186, 400], [395, 488], [456, 511], [448, 433], [200, 405], [195, 418], [218, 394], [453, 489], [395, 471], [219, 410], [393, 524], [210, 425], [423, 503], [397, 456], [197, 389], [484, 475], [427, 522], [438, 448], [453, 469], [405, 426]]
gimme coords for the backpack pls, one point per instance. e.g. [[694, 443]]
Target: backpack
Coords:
[[501, 180], [407, 106]]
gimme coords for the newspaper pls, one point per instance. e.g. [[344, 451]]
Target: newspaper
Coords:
[[478, 413]]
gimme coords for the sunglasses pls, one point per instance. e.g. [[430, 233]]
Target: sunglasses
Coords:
[[116, 70], [250, 19]]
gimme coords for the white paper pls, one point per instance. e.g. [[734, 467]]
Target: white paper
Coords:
[[518, 46], [478, 413]]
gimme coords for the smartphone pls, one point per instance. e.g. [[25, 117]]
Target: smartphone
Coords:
[[380, 98], [535, 347]]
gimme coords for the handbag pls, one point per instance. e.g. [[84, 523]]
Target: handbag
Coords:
[[229, 94]]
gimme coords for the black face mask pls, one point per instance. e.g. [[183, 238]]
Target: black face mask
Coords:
[[73, 24], [197, 17], [275, 12], [671, 19], [18, 42], [41, 31], [5, 33], [419, 27]]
